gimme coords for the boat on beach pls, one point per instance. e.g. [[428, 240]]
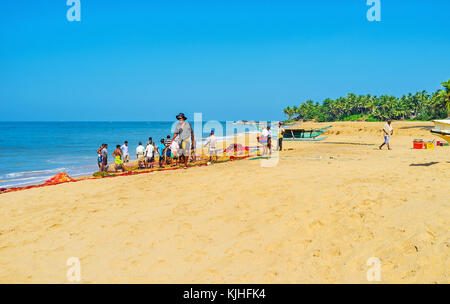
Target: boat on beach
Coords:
[[442, 129], [304, 134]]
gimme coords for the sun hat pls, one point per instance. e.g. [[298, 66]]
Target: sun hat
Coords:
[[181, 115]]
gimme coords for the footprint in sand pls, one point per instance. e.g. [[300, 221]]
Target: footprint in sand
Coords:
[[54, 226], [315, 225], [306, 243], [245, 232]]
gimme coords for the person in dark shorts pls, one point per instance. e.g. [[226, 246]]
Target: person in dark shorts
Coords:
[[104, 153], [280, 136], [150, 154], [162, 152], [168, 151], [99, 157], [269, 141], [185, 137], [388, 131], [117, 154]]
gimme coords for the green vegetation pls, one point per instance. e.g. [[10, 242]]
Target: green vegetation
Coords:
[[420, 106], [101, 174]]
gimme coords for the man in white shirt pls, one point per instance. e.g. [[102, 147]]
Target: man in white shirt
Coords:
[[267, 146], [388, 131], [212, 143], [125, 154], [149, 151], [140, 153]]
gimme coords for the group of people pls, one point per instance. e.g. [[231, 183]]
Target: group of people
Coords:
[[176, 149], [166, 151], [121, 156], [265, 139]]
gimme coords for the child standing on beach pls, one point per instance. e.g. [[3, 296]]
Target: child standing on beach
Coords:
[[174, 151], [264, 139], [168, 152], [149, 151], [212, 143], [161, 150]]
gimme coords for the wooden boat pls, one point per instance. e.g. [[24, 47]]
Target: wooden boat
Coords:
[[442, 129], [304, 135]]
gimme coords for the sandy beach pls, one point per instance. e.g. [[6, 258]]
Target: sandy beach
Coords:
[[316, 217]]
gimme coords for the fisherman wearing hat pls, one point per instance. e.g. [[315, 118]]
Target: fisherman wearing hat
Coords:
[[185, 138]]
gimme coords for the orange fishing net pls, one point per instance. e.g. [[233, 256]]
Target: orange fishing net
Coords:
[[64, 177], [59, 178]]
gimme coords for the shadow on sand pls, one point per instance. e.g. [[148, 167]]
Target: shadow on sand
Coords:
[[424, 164], [426, 128], [346, 143]]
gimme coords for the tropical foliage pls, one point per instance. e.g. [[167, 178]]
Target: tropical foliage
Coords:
[[418, 106]]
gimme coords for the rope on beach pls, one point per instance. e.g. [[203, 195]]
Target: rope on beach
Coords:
[[200, 163]]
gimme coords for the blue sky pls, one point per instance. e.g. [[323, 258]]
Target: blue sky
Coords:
[[230, 60]]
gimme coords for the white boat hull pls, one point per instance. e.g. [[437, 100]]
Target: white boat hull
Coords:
[[442, 129]]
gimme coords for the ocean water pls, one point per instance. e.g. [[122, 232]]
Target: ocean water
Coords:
[[32, 152]]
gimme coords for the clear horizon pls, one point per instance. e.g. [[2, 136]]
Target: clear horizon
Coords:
[[230, 60]]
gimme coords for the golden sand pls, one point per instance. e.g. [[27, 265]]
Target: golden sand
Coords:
[[316, 217]]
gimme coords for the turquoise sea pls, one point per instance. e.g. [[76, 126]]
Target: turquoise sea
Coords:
[[32, 152]]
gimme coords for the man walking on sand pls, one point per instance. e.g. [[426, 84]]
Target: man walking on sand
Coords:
[[388, 131]]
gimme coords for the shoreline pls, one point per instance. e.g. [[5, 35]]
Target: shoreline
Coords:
[[223, 142], [80, 172]]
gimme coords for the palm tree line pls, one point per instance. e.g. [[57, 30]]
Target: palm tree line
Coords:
[[418, 106]]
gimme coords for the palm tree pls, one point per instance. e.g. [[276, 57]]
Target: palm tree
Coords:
[[420, 105], [288, 112], [445, 94]]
